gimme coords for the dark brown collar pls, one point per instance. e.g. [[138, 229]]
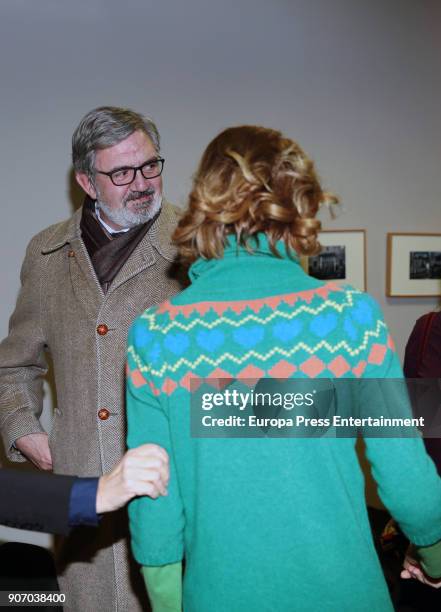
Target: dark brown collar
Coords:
[[108, 252]]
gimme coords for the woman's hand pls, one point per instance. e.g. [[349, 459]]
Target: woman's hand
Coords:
[[412, 569]]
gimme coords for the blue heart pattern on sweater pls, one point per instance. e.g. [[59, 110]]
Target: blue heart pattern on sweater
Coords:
[[176, 343], [249, 335], [210, 339], [323, 325], [142, 334], [350, 328], [362, 313], [154, 352], [287, 330]]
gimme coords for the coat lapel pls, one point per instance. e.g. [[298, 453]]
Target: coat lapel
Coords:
[[157, 240], [142, 257], [85, 285], [84, 280]]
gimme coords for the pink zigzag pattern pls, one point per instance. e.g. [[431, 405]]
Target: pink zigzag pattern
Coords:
[[256, 305], [312, 367]]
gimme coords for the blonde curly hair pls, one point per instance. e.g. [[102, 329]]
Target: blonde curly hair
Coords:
[[251, 179]]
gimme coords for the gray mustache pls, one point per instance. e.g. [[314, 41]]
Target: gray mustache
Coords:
[[135, 195]]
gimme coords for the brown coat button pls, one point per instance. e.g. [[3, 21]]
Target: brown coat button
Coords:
[[103, 414], [102, 329], [71, 254]]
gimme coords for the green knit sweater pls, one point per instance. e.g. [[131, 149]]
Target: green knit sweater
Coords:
[[268, 524]]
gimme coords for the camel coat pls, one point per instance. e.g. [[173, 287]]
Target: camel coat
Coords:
[[63, 316]]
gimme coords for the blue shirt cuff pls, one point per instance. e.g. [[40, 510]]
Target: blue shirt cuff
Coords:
[[82, 503]]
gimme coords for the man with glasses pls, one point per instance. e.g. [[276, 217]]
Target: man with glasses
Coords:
[[83, 282]]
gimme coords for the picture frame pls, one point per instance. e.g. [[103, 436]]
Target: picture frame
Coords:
[[413, 264], [342, 259]]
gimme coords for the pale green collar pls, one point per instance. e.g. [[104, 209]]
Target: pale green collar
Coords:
[[259, 244]]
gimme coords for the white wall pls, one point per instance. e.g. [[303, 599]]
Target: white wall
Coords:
[[356, 82]]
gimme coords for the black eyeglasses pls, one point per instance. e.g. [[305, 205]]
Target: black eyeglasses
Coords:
[[127, 174]]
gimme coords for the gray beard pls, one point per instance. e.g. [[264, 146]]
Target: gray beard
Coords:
[[126, 218]]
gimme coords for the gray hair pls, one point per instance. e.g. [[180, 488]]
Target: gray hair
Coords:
[[104, 127]]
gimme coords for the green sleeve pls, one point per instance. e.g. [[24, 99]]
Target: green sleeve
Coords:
[[430, 559], [164, 586], [408, 483], [156, 525]]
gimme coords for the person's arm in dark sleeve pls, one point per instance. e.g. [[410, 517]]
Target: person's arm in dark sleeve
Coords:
[[49, 502], [35, 500], [413, 349], [82, 503]]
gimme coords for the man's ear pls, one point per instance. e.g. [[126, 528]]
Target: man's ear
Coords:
[[85, 183]]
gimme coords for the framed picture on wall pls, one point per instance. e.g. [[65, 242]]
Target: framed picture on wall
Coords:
[[342, 258], [413, 265]]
